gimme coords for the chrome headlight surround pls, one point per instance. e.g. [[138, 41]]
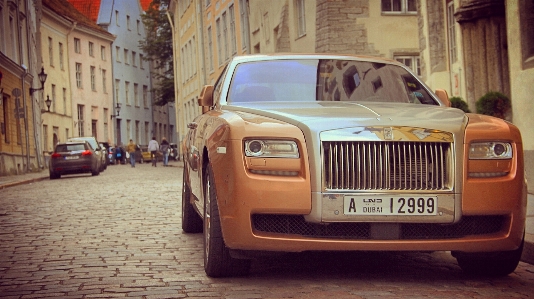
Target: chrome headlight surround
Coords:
[[271, 148], [490, 151]]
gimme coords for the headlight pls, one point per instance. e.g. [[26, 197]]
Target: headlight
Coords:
[[490, 150], [271, 148]]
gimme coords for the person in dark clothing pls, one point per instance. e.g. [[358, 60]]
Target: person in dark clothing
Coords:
[[119, 154]]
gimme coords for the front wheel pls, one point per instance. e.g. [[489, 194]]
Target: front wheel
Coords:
[[217, 259], [499, 263]]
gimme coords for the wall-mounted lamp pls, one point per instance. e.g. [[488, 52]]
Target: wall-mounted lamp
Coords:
[[42, 78], [118, 109], [48, 103]]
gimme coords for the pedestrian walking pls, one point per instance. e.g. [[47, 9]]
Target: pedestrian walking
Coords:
[[119, 154], [153, 147], [131, 147], [165, 150]]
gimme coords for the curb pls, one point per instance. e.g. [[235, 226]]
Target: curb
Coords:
[[528, 249], [29, 181]]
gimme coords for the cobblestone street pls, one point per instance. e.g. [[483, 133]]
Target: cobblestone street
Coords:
[[119, 235]]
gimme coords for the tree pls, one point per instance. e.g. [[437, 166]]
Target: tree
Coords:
[[158, 47]]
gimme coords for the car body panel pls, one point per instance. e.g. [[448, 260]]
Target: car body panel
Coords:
[[250, 189], [96, 148]]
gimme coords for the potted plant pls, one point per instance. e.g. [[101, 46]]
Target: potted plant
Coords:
[[493, 103], [457, 102]]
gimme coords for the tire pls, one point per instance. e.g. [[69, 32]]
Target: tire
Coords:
[[217, 259], [95, 172], [54, 176], [191, 221], [493, 264]]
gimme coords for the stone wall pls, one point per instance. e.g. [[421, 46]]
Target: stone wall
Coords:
[[337, 30]]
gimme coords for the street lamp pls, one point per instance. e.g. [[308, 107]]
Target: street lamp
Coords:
[[118, 109], [42, 77], [48, 103]]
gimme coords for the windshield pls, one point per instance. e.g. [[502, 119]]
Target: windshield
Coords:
[[325, 80]]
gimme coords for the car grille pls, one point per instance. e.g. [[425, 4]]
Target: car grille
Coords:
[[387, 165], [296, 225]]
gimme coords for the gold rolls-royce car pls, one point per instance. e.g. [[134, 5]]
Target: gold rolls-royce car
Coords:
[[345, 153]]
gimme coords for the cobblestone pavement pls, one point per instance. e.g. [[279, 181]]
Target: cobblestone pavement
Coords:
[[119, 235]]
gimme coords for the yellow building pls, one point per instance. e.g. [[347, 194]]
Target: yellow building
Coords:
[[19, 66]]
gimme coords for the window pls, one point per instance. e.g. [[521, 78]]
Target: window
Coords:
[[244, 24], [127, 92], [77, 46], [104, 87], [79, 75], [145, 96], [138, 27], [233, 39], [117, 18], [64, 101], [117, 52], [301, 18], [526, 27], [210, 50], [413, 62], [80, 121], [225, 36], [126, 53], [103, 53], [136, 94], [61, 57], [91, 49], [134, 58], [2, 36], [7, 119], [219, 40], [399, 6], [93, 83], [117, 90], [452, 32], [128, 22], [50, 51], [141, 62], [53, 105]]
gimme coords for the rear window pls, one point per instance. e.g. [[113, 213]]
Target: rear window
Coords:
[[64, 148]]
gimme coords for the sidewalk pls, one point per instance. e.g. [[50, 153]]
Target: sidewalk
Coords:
[[528, 251]]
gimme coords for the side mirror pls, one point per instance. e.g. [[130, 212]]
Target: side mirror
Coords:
[[206, 96], [443, 96]]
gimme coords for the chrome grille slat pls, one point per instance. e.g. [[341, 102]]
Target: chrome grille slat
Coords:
[[392, 165]]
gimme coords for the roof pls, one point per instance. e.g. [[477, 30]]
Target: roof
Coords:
[[145, 4], [68, 11], [89, 8]]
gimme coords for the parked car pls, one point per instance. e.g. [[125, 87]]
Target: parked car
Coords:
[[338, 152], [73, 158], [145, 154], [107, 147], [100, 152], [173, 152]]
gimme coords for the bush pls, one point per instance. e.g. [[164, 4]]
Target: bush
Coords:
[[493, 103], [457, 102]]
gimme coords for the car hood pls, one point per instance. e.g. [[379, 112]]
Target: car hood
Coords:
[[324, 116]]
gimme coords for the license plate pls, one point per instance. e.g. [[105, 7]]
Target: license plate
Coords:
[[391, 205], [71, 157]]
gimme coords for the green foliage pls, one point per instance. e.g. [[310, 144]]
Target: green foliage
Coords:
[[158, 47], [493, 103], [457, 102]]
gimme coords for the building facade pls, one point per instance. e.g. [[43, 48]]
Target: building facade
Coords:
[[20, 62], [77, 53]]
